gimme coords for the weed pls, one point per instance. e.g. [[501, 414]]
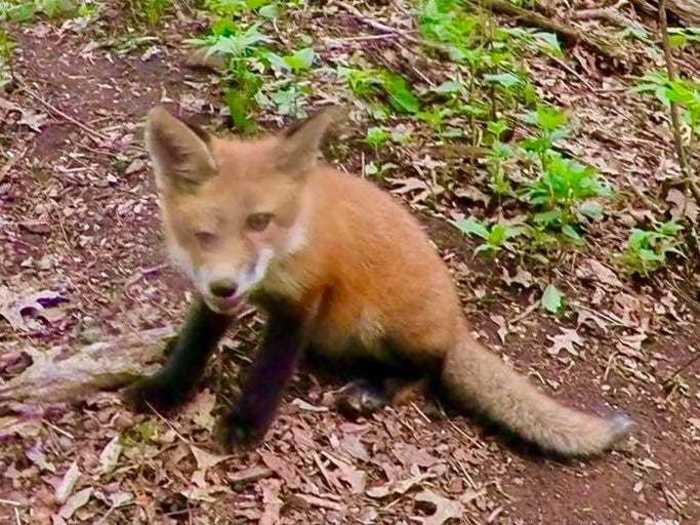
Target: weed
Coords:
[[684, 92], [7, 46], [647, 250], [371, 83], [496, 237], [563, 194]]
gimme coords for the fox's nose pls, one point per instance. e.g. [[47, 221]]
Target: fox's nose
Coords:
[[222, 288]]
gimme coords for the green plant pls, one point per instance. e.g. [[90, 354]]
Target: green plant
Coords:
[[496, 237], [683, 36], [370, 83], [153, 10], [376, 137], [684, 92], [7, 46], [296, 62], [563, 193], [646, 250]]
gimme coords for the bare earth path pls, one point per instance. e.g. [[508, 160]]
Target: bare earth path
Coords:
[[78, 215]]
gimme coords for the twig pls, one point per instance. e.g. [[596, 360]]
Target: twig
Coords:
[[605, 13], [53, 109], [681, 368], [376, 24], [686, 170], [172, 427]]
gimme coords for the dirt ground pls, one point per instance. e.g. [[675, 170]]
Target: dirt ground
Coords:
[[79, 216]]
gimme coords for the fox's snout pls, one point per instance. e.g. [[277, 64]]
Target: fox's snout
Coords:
[[223, 288]]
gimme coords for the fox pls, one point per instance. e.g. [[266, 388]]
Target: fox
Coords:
[[343, 272]]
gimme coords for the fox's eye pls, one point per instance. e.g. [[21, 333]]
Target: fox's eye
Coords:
[[258, 221], [206, 239]]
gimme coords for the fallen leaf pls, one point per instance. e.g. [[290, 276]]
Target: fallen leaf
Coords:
[[65, 487], [109, 457], [13, 305], [502, 324], [33, 119], [76, 501], [682, 205], [205, 460], [521, 277], [37, 456], [594, 270], [199, 410], [282, 468], [272, 504], [445, 509], [397, 487], [565, 341]]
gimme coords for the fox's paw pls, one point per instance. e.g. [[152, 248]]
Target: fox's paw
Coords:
[[360, 399], [233, 432], [157, 392]]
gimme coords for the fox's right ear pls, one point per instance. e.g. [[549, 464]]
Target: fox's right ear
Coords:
[[180, 154]]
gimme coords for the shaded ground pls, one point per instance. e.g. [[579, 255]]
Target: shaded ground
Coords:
[[79, 216]]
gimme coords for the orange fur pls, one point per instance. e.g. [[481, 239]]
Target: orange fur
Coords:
[[354, 261]]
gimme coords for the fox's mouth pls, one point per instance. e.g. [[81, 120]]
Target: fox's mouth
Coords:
[[226, 305]]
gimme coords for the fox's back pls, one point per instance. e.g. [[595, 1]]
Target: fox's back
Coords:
[[374, 267]]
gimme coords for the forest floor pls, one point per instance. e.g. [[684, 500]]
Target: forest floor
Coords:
[[81, 254]]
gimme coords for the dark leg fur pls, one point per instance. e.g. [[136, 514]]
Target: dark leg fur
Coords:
[[272, 370], [172, 384]]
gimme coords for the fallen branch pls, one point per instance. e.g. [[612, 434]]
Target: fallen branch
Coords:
[[609, 14], [570, 35], [99, 366]]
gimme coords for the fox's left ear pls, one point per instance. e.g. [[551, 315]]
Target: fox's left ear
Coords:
[[302, 141]]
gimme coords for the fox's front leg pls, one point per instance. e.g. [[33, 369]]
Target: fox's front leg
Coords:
[[172, 384], [264, 385]]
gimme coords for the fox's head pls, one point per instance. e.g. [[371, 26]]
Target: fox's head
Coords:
[[230, 206]]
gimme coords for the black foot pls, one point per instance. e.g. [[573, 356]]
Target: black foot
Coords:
[[360, 399], [157, 391], [234, 432]]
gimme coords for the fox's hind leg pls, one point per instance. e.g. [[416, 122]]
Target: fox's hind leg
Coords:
[[363, 397], [173, 383]]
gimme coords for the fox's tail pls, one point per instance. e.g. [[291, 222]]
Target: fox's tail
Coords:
[[477, 379]]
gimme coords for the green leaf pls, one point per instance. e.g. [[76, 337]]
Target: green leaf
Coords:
[[506, 80], [401, 97], [471, 226], [270, 11], [552, 299], [449, 86], [301, 60]]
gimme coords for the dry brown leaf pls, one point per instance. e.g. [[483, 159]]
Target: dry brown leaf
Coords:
[[272, 504], [14, 304], [282, 468], [565, 341], [445, 509], [398, 487]]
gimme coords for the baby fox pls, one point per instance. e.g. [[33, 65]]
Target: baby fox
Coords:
[[342, 271]]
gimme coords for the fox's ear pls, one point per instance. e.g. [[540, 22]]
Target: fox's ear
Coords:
[[180, 153], [302, 141]]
